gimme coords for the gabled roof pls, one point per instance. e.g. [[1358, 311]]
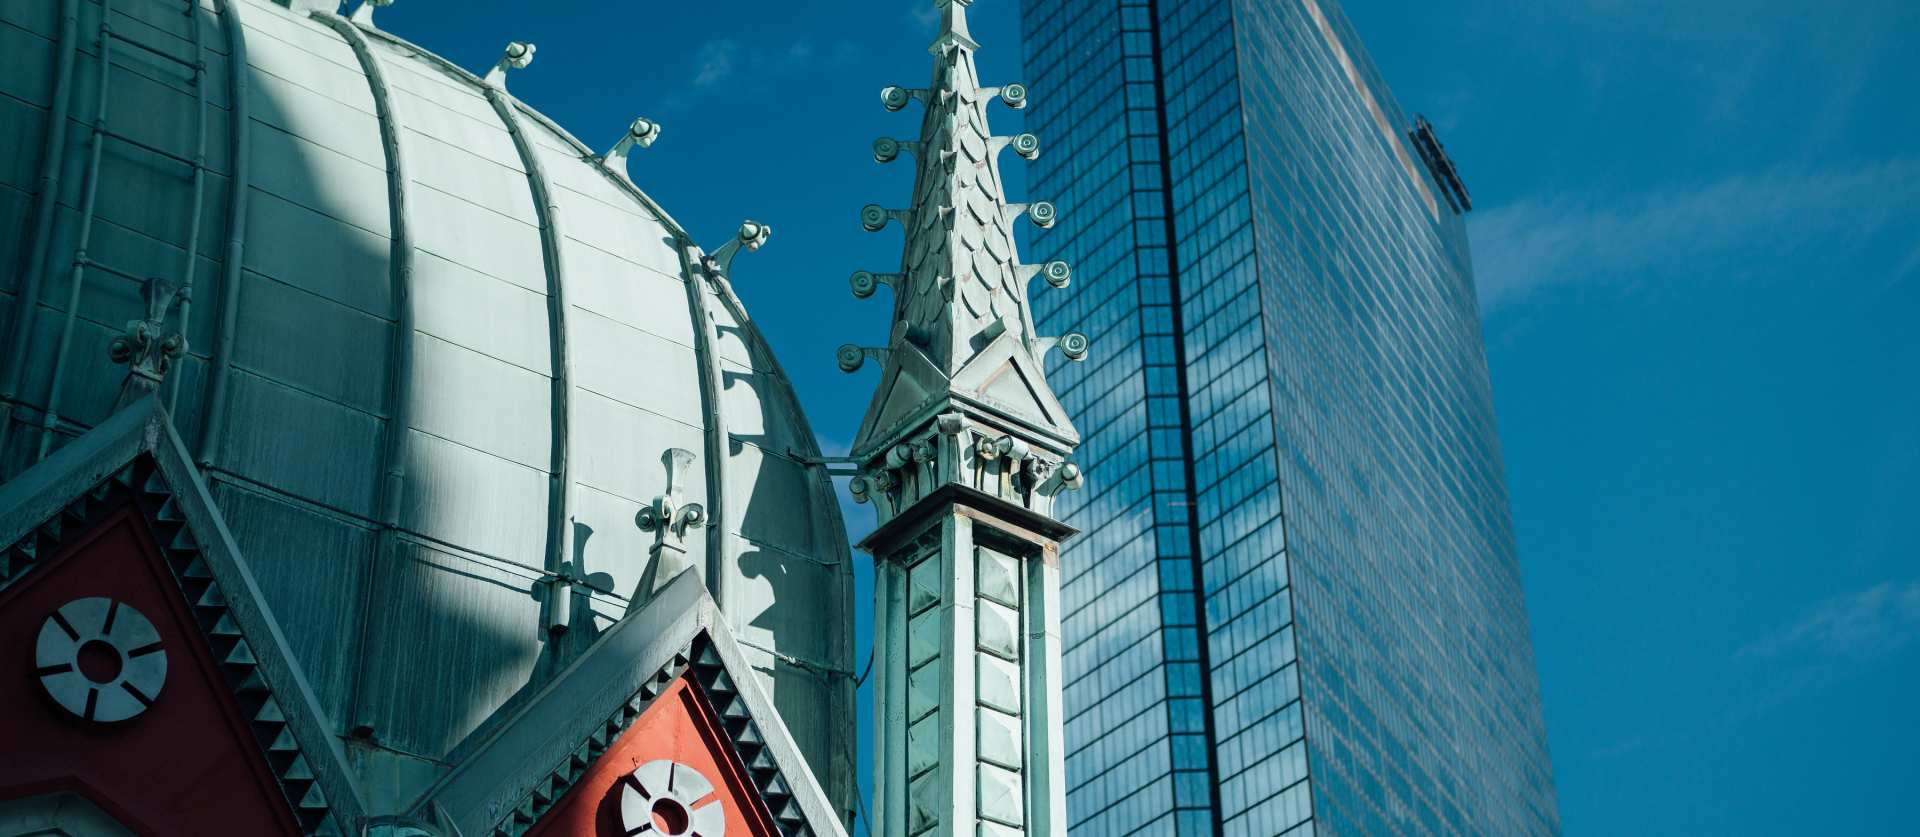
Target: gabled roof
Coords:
[[528, 765], [135, 458]]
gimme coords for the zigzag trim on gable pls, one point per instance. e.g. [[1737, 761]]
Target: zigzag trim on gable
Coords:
[[537, 802], [749, 746], [142, 484]]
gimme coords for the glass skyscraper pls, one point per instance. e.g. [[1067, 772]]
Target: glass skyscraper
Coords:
[[1295, 607]]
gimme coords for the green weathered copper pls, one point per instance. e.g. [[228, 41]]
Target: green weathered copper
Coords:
[[389, 374], [962, 452]]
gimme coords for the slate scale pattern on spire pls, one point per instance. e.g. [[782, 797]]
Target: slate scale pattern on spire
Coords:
[[963, 450], [961, 285]]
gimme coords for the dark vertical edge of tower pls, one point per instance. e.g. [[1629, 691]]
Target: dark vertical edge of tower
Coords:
[[1195, 556]]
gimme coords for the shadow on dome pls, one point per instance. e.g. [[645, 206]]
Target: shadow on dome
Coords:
[[412, 612], [394, 496]]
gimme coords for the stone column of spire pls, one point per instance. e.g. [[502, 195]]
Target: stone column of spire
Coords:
[[962, 451]]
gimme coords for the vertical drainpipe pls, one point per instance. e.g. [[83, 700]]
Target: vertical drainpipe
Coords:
[[712, 388], [240, 122], [560, 503], [393, 454], [53, 155]]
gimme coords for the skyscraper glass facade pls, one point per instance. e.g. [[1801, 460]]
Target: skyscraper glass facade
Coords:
[[1295, 607]]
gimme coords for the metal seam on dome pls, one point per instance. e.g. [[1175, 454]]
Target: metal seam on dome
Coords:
[[706, 355], [192, 257], [646, 201], [559, 528], [393, 454], [393, 469], [52, 164], [682, 239], [90, 193], [240, 123]]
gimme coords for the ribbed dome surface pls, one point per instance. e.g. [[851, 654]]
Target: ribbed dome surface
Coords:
[[383, 186]]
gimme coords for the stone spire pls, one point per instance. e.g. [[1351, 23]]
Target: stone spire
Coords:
[[963, 450], [961, 324]]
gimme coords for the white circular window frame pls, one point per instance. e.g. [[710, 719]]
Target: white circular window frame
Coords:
[[681, 784], [143, 662]]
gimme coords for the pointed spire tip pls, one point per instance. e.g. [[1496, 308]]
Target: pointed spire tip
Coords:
[[953, 26]]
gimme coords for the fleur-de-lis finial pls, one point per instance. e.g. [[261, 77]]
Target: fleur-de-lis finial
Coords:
[[145, 345], [669, 518]]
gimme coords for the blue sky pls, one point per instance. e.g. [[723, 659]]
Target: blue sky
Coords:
[[1698, 248]]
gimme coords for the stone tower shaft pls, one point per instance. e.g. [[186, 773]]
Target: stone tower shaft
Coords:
[[962, 451]]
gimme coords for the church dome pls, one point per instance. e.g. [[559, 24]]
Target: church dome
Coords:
[[437, 356]]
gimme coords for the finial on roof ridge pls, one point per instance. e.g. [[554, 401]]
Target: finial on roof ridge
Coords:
[[668, 518], [148, 346], [517, 56], [751, 235], [642, 133], [364, 14]]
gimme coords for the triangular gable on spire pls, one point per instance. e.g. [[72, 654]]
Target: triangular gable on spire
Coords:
[[909, 383], [660, 722], [1004, 376], [164, 690]]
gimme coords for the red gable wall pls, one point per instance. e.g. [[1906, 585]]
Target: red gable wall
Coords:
[[680, 726], [188, 765]]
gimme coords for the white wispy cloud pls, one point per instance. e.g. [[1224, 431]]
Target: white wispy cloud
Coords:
[[795, 56], [714, 62], [926, 15], [1864, 624], [726, 62], [1530, 244]]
